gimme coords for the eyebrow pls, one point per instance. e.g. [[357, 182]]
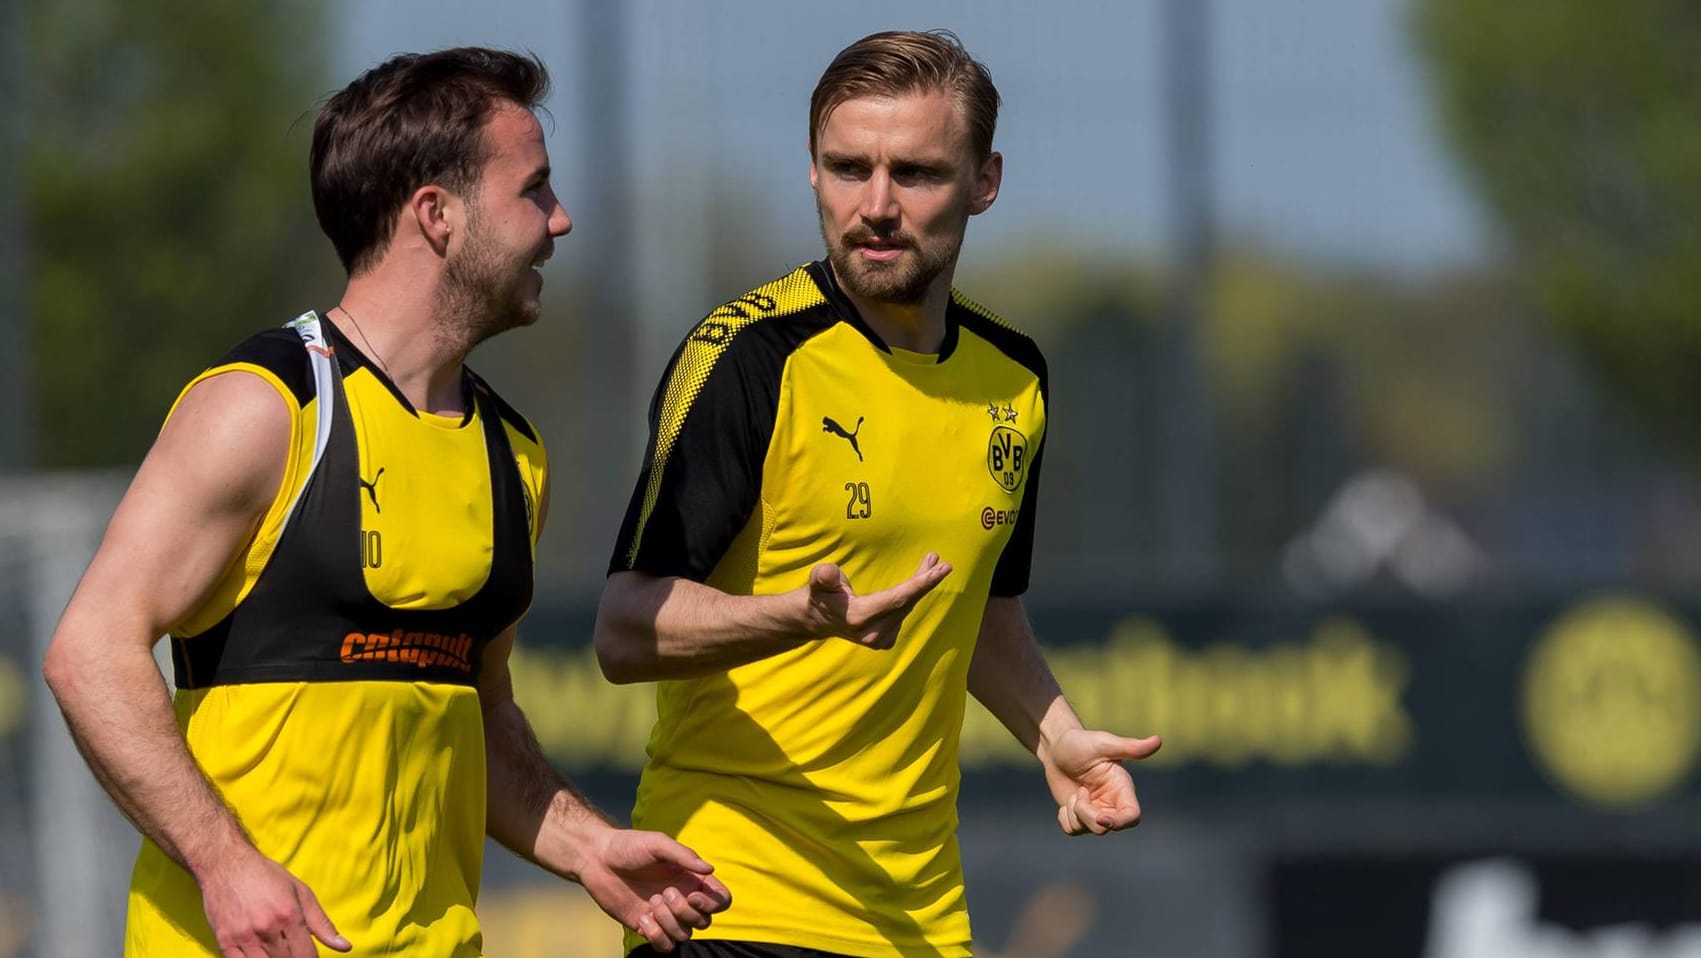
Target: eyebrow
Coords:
[[917, 162]]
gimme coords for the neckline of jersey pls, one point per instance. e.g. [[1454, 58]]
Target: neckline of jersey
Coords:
[[907, 357], [351, 358], [841, 303]]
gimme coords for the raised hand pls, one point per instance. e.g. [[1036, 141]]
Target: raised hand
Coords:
[[870, 620], [653, 885], [1094, 792], [257, 909]]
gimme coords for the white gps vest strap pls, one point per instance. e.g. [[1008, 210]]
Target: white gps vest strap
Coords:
[[309, 326]]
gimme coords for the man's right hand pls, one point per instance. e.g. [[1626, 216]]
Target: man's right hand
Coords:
[[257, 909], [869, 620]]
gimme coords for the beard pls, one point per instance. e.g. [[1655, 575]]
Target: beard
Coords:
[[483, 292], [903, 282]]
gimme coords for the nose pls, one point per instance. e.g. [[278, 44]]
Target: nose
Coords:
[[879, 202], [559, 223]]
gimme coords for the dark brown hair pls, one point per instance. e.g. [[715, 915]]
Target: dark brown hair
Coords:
[[413, 120], [897, 62]]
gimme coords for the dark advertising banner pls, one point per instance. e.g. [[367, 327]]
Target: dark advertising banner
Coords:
[[1496, 906], [1590, 702]]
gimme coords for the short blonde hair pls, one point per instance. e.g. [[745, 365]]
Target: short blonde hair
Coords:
[[897, 62]]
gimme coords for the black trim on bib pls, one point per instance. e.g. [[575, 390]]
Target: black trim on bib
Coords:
[[310, 616]]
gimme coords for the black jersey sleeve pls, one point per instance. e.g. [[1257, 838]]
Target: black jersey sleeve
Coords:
[[1010, 578], [711, 420]]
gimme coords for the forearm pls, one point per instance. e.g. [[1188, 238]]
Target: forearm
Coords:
[[1009, 676], [652, 628], [531, 810], [1083, 769], [120, 715]]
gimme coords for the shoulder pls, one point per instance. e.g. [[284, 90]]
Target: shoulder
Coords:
[[772, 318], [276, 354], [276, 364], [232, 430], [242, 400], [1007, 339], [263, 381]]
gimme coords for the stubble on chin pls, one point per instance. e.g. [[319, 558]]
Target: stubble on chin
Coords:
[[467, 324], [472, 306], [902, 282], [905, 281], [880, 282]]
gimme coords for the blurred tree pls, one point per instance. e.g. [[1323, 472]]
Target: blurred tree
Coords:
[[1578, 122], [1316, 374], [167, 203]]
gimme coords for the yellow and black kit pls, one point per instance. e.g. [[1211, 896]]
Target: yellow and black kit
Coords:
[[328, 686], [822, 781]]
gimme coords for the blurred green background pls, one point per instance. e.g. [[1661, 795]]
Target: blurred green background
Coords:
[[1373, 328]]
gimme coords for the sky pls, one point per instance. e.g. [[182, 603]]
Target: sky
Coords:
[[1326, 145]]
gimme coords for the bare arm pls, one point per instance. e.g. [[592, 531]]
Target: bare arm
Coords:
[[197, 498], [525, 792], [1083, 769], [651, 627], [645, 880], [1009, 676]]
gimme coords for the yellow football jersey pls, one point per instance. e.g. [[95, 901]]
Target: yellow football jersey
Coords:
[[822, 781], [328, 685]]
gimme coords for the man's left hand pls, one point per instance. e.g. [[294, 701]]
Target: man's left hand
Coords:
[[1094, 792]]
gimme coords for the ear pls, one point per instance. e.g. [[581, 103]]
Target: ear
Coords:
[[987, 180], [436, 213], [814, 176]]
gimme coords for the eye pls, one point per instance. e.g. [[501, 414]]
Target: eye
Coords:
[[538, 184], [847, 169], [912, 174]]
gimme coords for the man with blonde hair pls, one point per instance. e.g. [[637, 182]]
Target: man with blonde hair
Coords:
[[853, 421]]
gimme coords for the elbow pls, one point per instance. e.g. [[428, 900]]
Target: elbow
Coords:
[[626, 635], [617, 652], [617, 667], [58, 671]]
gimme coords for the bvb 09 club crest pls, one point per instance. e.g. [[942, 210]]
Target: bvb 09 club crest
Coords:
[[1007, 457]]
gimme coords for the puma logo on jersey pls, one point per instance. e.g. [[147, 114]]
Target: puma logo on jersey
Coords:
[[372, 488], [828, 425]]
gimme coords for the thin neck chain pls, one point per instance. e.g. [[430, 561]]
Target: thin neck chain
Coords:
[[369, 347]]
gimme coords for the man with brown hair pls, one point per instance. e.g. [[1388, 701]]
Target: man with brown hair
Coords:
[[336, 528], [845, 423]]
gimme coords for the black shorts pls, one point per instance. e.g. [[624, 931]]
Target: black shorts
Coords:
[[731, 949]]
